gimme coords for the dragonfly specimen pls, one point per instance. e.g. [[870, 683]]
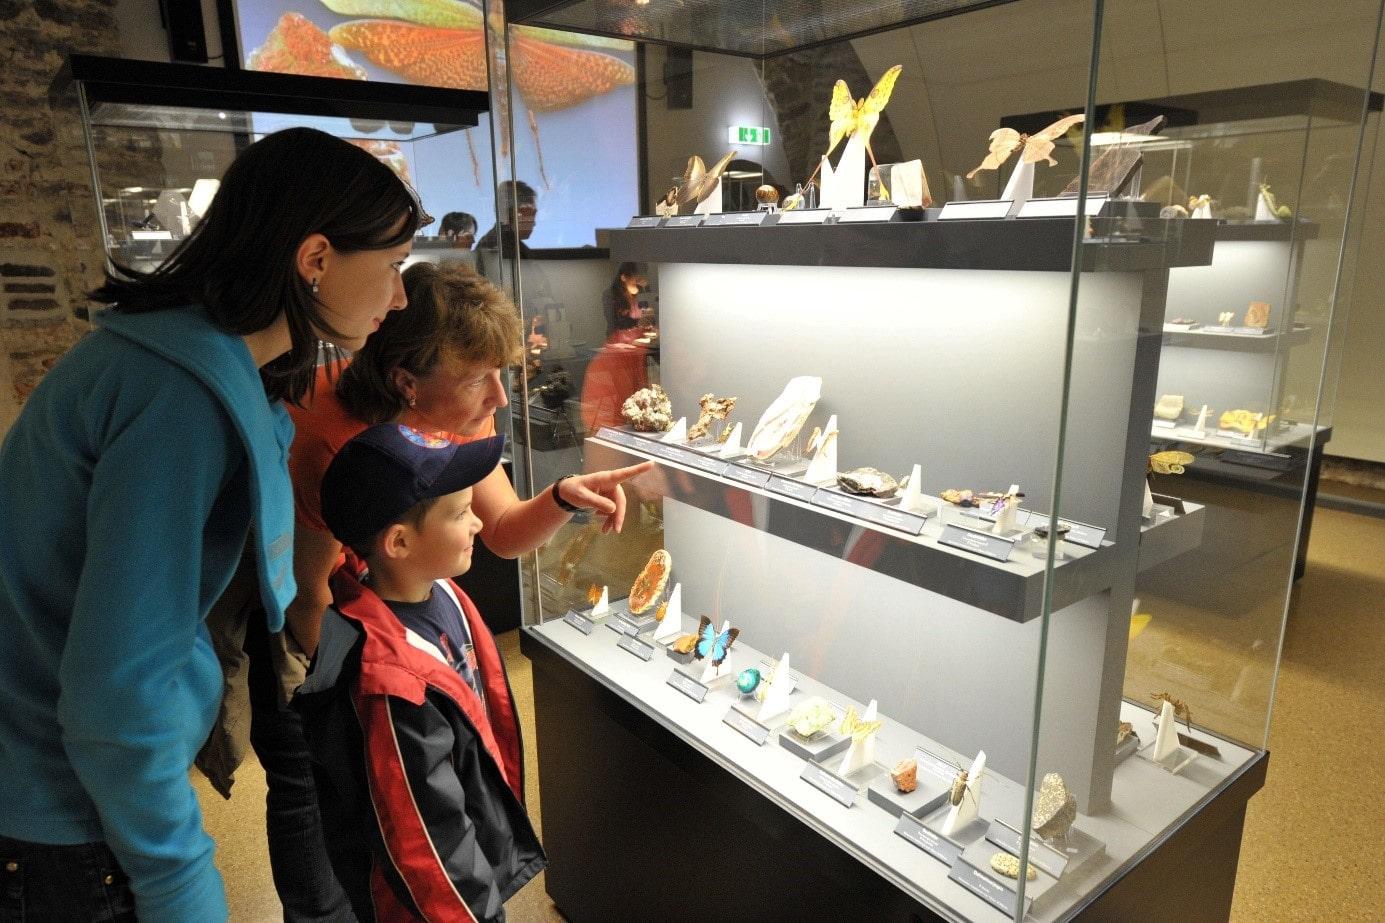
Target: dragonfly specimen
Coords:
[[443, 43], [1038, 146]]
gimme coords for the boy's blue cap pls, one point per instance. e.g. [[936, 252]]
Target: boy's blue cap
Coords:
[[385, 470]]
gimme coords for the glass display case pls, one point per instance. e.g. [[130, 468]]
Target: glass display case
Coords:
[[159, 136], [917, 611]]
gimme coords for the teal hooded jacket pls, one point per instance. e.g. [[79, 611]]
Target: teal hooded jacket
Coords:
[[128, 486]]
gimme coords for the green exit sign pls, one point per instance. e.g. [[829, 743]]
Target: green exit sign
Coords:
[[747, 134]]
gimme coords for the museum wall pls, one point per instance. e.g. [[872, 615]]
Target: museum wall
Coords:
[[1034, 59]]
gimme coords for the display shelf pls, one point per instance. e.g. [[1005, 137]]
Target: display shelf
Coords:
[[1216, 339], [1268, 230], [1033, 244], [1012, 589], [1171, 534], [1147, 801], [1296, 436]]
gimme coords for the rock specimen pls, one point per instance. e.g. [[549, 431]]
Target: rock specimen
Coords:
[[683, 644], [868, 481], [649, 585], [906, 775], [1009, 866], [713, 408], [811, 718], [648, 410], [1169, 407], [782, 421], [1055, 808], [1258, 315]]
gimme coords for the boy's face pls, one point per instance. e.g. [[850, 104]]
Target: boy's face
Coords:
[[446, 536]]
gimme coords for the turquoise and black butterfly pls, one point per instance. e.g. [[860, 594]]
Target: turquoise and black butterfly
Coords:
[[713, 644]]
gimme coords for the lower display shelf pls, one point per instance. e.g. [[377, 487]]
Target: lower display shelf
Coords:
[[1296, 435], [1149, 803]]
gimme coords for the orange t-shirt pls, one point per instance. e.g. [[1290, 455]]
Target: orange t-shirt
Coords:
[[322, 427]]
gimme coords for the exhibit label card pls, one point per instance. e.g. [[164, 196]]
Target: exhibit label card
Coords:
[[683, 221], [641, 649], [688, 686], [996, 547], [645, 221], [746, 475], [808, 216], [621, 624], [1061, 207], [867, 213], [619, 437], [705, 463], [799, 490], [747, 725], [1079, 533], [829, 783], [579, 621], [989, 208], [1041, 855], [987, 888], [930, 841], [870, 512], [729, 219]]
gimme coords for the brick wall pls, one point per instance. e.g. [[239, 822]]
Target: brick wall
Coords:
[[49, 245]]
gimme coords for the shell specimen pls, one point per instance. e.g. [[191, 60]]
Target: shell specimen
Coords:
[[868, 481], [648, 410], [1170, 462], [784, 418]]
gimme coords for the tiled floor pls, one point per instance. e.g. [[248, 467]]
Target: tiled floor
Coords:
[[1311, 847]]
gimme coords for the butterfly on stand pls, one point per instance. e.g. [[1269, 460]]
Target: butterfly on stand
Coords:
[[1038, 146], [712, 644]]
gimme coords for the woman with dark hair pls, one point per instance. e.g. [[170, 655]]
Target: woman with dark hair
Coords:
[[624, 315], [128, 487], [618, 369]]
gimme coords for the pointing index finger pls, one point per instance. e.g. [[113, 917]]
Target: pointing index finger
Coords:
[[618, 475]]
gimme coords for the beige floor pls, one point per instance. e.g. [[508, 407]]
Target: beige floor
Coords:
[[1311, 848]]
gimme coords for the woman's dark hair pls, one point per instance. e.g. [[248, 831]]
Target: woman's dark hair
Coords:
[[456, 223], [239, 262], [453, 311], [619, 300]]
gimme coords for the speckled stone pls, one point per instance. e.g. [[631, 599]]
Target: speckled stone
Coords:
[[1055, 808], [1009, 866]]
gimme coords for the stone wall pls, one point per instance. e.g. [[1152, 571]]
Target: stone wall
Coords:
[[49, 244]]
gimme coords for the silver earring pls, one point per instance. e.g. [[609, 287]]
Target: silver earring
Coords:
[[314, 286]]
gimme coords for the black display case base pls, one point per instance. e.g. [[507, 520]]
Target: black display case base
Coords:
[[639, 825]]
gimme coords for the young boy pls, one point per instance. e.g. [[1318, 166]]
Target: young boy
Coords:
[[407, 711]]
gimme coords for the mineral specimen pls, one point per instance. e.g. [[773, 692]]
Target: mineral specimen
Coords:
[[906, 775], [1124, 732], [766, 195], [1258, 315], [959, 497], [1169, 407], [869, 481], [713, 408], [1009, 866], [747, 680], [649, 585], [1055, 808], [648, 410], [782, 421], [811, 718], [683, 644]]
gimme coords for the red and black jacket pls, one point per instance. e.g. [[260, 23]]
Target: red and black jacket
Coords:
[[420, 785]]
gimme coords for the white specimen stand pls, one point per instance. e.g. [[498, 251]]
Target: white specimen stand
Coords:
[[1005, 522], [1166, 750], [907, 184], [1200, 430], [672, 624], [823, 468], [964, 812], [1147, 510], [732, 446], [1020, 188], [862, 752], [845, 186], [776, 700], [603, 605], [1202, 211], [679, 432], [1263, 212], [712, 204], [912, 501], [714, 672]]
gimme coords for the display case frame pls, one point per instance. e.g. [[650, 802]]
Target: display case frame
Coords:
[[682, 764]]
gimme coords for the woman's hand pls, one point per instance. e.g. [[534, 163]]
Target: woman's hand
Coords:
[[601, 491]]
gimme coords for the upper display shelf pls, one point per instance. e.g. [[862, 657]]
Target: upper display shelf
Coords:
[[755, 30], [1032, 244]]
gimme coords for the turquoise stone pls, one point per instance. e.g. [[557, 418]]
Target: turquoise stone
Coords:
[[747, 680]]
